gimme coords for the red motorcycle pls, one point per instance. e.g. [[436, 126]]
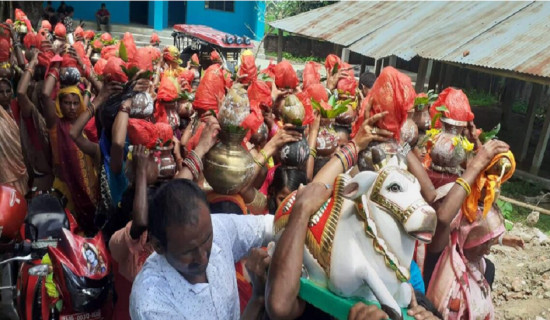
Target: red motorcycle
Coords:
[[61, 275]]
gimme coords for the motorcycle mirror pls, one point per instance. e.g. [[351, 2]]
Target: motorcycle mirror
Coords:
[[24, 258], [40, 270]]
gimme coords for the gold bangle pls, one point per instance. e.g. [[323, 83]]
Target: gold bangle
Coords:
[[262, 152], [465, 185], [313, 153], [259, 163]]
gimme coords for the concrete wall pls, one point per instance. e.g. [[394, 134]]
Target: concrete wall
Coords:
[[85, 10], [246, 20]]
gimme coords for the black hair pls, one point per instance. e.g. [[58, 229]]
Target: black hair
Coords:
[[291, 178], [39, 72], [319, 164], [342, 128], [175, 202], [49, 3], [69, 9], [103, 4], [367, 79]]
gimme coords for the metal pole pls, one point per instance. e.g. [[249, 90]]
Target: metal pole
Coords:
[[280, 46]]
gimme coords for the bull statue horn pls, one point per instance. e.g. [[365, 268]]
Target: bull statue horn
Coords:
[[359, 185]]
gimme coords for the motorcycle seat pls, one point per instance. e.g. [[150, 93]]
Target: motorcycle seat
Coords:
[[46, 218]]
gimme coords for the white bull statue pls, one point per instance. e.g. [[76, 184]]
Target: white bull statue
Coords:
[[360, 243]]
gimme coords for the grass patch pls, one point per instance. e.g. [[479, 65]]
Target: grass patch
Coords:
[[516, 189], [481, 99], [291, 57]]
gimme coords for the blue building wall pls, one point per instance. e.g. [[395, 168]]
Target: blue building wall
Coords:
[[246, 20], [240, 22], [85, 10]]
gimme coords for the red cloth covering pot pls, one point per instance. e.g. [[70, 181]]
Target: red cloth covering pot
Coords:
[[211, 89], [285, 75], [9, 21], [331, 61], [317, 92], [457, 104], [113, 70], [100, 66], [347, 84], [259, 93], [89, 34], [130, 44], [81, 51], [33, 40], [171, 54], [106, 37], [46, 25], [168, 89], [142, 59], [20, 15], [305, 99], [142, 132], [109, 51], [253, 121], [215, 57], [69, 61], [44, 58], [154, 39], [248, 70], [60, 30], [269, 72], [165, 132], [4, 50], [311, 74], [195, 60], [392, 92], [79, 32], [97, 44]]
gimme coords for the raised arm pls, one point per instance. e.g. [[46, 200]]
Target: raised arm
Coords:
[[88, 147], [47, 102], [283, 281], [456, 196], [140, 209], [426, 186], [25, 104], [312, 142]]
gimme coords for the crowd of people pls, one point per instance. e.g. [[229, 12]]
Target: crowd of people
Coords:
[[126, 134]]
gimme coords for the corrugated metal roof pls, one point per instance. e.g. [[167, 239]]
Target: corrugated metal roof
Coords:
[[513, 36]]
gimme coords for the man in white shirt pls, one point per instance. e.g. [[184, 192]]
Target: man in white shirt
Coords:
[[192, 273]]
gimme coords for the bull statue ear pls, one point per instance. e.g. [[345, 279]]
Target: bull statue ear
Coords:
[[359, 185]]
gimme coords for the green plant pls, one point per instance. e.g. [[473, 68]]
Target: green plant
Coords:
[[486, 136], [424, 101], [439, 114], [333, 108], [291, 57], [481, 98]]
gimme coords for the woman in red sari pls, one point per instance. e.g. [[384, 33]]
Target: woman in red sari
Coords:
[[75, 172]]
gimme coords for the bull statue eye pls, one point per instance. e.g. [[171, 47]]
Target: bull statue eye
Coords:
[[394, 187]]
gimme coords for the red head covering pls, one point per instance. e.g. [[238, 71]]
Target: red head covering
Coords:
[[97, 44], [9, 21], [44, 58], [33, 40], [99, 66], [347, 84], [210, 90], [259, 93], [195, 60], [79, 48], [154, 39], [457, 105], [392, 92], [46, 25], [130, 44], [20, 15], [89, 34], [106, 37], [142, 132], [114, 71], [285, 76], [68, 61], [248, 67], [60, 31], [165, 132], [79, 32], [215, 57], [311, 74]]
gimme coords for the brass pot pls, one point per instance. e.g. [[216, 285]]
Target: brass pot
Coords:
[[409, 130], [167, 167], [445, 156], [422, 119], [228, 167], [347, 117], [95, 57], [365, 160], [292, 110], [327, 141]]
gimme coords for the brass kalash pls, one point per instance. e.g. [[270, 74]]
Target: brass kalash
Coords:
[[228, 166]]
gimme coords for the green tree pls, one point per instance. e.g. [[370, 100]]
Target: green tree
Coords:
[[280, 9]]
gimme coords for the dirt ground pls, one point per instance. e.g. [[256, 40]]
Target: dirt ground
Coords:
[[522, 282]]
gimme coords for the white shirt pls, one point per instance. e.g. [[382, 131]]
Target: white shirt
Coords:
[[160, 292]]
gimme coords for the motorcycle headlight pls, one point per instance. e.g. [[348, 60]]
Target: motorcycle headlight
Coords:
[[239, 40], [229, 39], [247, 40]]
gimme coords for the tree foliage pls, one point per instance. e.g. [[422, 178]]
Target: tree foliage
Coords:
[[280, 9]]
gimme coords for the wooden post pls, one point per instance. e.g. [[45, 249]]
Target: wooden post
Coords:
[[345, 55], [378, 66], [393, 61], [280, 46], [421, 75], [531, 108], [541, 146], [363, 64], [507, 101], [434, 75]]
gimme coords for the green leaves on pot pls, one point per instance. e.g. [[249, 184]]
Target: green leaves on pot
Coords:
[[486, 136], [441, 109], [335, 68], [421, 102], [333, 108], [122, 53]]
